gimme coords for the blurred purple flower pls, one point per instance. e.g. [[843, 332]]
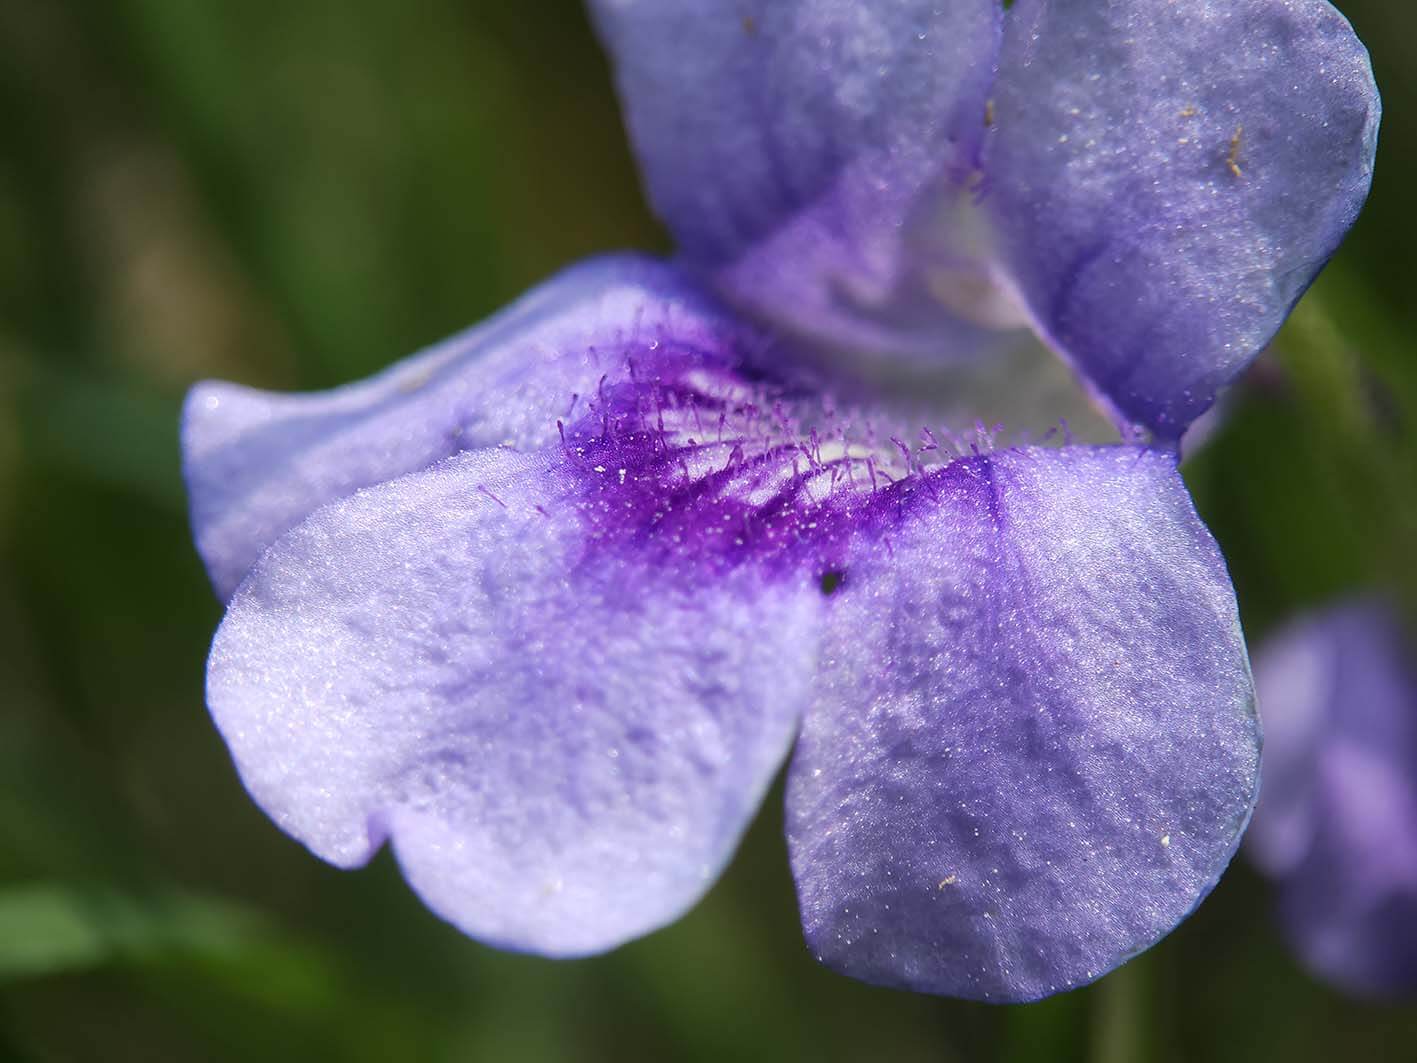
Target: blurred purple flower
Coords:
[[1337, 826], [546, 606]]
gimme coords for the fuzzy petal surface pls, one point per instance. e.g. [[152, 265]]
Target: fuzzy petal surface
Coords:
[[798, 150], [1031, 747], [1337, 825], [562, 744], [257, 463], [1166, 177]]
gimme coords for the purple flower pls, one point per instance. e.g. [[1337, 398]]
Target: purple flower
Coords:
[[1337, 827], [547, 606]]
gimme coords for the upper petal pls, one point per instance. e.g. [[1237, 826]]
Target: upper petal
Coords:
[[258, 463], [562, 736], [1337, 824], [1166, 178], [1032, 746], [792, 146]]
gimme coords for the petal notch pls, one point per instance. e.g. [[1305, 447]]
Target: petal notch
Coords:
[[563, 746]]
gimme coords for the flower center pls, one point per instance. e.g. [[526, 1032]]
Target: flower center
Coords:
[[688, 457], [960, 268]]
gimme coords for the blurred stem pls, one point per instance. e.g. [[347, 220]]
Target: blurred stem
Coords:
[[1122, 1028], [1365, 457], [1054, 1029], [1326, 371]]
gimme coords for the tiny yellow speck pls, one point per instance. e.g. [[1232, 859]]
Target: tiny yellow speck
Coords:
[[1232, 160], [1166, 841], [948, 880]]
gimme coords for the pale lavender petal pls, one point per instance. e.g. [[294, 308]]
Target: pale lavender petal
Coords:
[[562, 735], [1032, 746], [799, 150], [1166, 178], [257, 463], [1337, 824]]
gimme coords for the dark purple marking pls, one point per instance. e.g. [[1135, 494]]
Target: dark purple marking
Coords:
[[767, 488]]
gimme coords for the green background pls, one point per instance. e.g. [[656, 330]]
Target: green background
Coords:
[[292, 194]]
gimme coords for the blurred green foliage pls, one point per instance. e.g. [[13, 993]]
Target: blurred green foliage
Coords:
[[294, 194]]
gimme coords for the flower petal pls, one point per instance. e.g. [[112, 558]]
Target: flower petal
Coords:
[[1166, 179], [1337, 826], [787, 144], [1032, 747], [563, 743], [258, 463]]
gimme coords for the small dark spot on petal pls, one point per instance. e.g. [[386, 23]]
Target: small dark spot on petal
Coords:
[[831, 580]]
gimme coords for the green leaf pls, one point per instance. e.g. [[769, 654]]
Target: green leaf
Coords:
[[214, 961], [52, 928], [105, 427]]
